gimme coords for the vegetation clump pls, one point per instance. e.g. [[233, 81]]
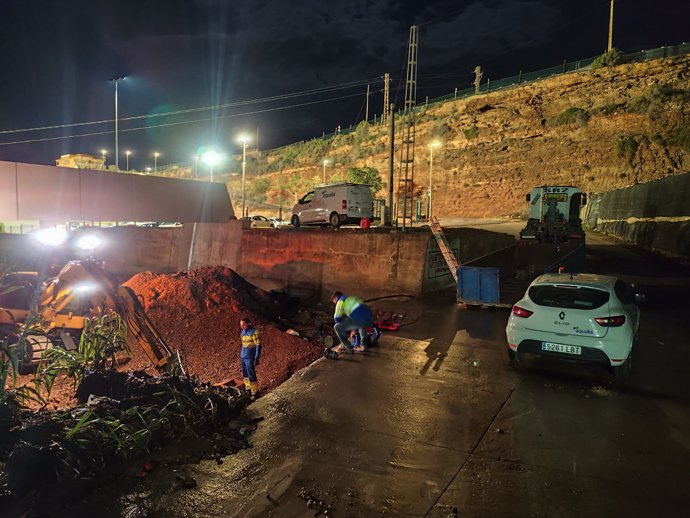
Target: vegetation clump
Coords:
[[627, 147], [570, 116], [471, 133], [610, 58]]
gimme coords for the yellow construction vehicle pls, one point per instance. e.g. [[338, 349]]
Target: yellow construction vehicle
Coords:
[[65, 301]]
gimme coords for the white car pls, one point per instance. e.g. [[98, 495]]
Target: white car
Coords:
[[577, 317]]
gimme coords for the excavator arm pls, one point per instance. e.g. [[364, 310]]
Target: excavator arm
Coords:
[[82, 286]]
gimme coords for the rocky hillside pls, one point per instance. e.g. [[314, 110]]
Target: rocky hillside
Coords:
[[597, 129]]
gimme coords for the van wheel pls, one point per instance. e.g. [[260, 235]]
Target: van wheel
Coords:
[[334, 219], [295, 221]]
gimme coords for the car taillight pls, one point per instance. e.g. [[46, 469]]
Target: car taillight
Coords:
[[611, 321], [344, 204], [522, 312]]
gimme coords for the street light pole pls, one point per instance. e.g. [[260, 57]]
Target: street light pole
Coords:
[[325, 162], [431, 173], [128, 152], [244, 168], [155, 162], [117, 149]]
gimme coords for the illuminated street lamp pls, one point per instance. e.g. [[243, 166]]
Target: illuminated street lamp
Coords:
[[148, 169], [325, 163], [117, 149], [211, 158], [244, 139], [155, 161], [432, 145], [127, 153]]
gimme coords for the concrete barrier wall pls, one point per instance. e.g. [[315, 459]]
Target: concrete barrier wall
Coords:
[[307, 262], [313, 262], [655, 215]]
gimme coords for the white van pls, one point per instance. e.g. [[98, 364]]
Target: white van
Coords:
[[334, 205]]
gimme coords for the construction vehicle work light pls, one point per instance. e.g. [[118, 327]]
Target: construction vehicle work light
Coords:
[[89, 243], [51, 236]]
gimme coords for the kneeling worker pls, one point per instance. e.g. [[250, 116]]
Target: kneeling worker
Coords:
[[350, 313]]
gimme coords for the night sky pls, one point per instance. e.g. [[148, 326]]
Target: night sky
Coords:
[[58, 56]]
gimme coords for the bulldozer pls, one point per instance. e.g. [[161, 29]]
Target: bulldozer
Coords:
[[63, 304]]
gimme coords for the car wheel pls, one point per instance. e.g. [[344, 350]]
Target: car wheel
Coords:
[[334, 219], [514, 357], [623, 371], [25, 367], [295, 221]]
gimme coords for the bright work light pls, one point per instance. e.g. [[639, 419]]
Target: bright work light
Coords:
[[51, 236]]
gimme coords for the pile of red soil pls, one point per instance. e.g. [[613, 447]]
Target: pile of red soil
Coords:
[[199, 312]]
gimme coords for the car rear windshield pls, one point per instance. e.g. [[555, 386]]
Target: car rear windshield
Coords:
[[573, 297]]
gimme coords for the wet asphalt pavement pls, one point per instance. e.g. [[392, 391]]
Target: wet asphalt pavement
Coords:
[[434, 422]]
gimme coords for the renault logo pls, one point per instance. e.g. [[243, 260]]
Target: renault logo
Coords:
[[561, 315]]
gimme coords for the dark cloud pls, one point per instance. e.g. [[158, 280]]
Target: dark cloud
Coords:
[[187, 53]]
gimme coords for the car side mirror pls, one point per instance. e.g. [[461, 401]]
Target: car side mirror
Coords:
[[583, 199], [639, 298], [528, 197]]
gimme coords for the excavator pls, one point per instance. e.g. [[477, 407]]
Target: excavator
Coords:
[[64, 303]]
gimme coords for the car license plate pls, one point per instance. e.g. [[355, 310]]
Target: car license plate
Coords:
[[560, 348]]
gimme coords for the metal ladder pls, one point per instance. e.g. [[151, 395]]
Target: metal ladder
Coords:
[[443, 245]]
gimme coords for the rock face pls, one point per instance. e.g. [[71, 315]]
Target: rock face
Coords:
[[596, 129]]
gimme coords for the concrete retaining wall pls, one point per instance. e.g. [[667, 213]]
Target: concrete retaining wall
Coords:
[[306, 262], [655, 215]]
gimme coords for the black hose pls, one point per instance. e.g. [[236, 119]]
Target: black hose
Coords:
[[390, 297]]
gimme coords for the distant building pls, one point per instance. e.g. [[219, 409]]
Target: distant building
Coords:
[[81, 161]]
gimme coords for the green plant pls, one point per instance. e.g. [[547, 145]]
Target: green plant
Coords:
[[570, 116], [103, 337], [610, 58], [471, 133], [609, 109], [627, 147], [639, 104], [366, 175], [679, 137], [257, 189], [440, 130]]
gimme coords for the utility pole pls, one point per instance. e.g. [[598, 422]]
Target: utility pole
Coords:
[[386, 97], [366, 112], [478, 73], [407, 150], [611, 28], [391, 156]]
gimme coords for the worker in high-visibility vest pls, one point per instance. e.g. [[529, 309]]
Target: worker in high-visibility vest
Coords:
[[350, 313], [251, 353]]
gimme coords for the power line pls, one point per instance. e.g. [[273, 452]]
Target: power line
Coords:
[[327, 89], [181, 122]]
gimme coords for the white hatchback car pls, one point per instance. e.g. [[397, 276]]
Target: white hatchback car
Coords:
[[577, 317]]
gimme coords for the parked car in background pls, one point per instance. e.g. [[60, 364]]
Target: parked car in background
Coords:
[[277, 223], [577, 317], [259, 221]]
